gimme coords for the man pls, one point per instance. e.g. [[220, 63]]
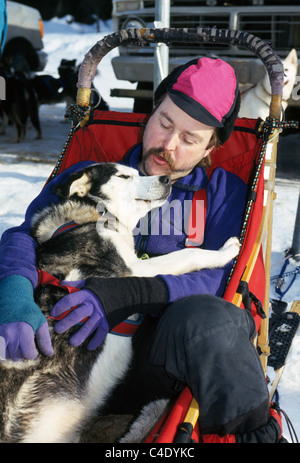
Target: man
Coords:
[[189, 336]]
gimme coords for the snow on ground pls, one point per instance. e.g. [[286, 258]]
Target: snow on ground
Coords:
[[24, 168], [285, 208]]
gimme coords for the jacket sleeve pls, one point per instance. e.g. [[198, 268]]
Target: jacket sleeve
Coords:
[[226, 200], [17, 247], [122, 297]]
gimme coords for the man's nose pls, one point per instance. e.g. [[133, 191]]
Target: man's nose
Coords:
[[170, 142]]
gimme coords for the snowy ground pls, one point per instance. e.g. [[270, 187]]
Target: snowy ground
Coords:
[[24, 168]]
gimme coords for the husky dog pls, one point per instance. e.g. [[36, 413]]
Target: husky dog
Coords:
[[255, 102], [20, 103], [51, 399], [51, 90]]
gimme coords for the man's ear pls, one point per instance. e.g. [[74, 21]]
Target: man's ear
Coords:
[[75, 185], [205, 162], [209, 151]]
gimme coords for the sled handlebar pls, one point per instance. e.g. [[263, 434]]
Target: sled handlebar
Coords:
[[145, 36]]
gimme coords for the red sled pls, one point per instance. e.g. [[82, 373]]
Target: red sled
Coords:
[[103, 136]]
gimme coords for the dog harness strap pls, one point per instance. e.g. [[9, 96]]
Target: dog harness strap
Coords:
[[64, 228], [127, 327], [45, 278], [196, 225]]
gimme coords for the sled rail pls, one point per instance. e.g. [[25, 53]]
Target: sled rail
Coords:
[[147, 36]]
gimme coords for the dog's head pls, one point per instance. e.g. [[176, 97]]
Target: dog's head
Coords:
[[67, 67], [118, 189], [290, 64]]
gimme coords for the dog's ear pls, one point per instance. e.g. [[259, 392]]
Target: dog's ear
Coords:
[[76, 184], [292, 57], [81, 186]]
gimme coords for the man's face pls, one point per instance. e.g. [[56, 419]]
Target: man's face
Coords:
[[174, 143]]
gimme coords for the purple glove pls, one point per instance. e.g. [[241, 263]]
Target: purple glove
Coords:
[[17, 341], [88, 306]]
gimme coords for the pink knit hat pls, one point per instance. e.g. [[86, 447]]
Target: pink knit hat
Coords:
[[205, 88]]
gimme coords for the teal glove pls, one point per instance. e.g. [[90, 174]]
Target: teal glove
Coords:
[[17, 306]]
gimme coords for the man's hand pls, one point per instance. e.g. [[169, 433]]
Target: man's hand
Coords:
[[87, 306], [23, 327], [18, 342]]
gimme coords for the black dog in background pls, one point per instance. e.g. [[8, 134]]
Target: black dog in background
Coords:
[[24, 95], [20, 101], [51, 90]]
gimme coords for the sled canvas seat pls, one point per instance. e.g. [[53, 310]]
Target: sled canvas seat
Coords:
[[250, 153]]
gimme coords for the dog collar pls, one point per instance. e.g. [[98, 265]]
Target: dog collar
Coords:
[[64, 228], [69, 225]]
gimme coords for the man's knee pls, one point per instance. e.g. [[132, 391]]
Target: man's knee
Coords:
[[207, 316], [198, 340]]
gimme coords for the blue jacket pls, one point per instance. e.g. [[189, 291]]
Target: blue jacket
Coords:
[[226, 199], [3, 24]]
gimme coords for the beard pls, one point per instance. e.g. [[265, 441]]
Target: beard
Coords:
[[163, 154]]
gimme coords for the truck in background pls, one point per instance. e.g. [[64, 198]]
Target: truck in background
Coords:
[[276, 22], [24, 38]]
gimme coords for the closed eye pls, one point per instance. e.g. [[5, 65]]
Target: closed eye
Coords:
[[188, 141], [123, 176], [165, 125]]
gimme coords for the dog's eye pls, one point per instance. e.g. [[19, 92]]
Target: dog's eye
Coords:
[[123, 176]]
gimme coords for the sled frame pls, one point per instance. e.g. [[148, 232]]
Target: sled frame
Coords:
[[275, 71]]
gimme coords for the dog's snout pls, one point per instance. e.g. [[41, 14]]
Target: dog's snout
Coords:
[[165, 179]]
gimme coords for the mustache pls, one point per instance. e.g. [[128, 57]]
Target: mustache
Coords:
[[163, 154]]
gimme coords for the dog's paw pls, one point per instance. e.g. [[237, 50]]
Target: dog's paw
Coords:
[[232, 246]]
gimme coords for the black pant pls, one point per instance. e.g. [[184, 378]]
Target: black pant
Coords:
[[206, 343]]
